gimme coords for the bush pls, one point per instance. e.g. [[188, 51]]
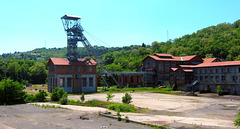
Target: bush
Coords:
[[41, 96], [63, 100], [122, 107], [119, 116], [82, 97], [219, 90], [127, 98], [237, 122], [110, 96], [30, 98], [57, 94], [54, 95], [11, 92]]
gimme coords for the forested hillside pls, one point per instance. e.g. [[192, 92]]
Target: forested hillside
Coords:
[[222, 41]]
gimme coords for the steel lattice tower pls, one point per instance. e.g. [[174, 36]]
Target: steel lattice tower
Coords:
[[74, 31]]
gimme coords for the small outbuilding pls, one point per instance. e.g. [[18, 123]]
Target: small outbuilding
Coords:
[[73, 76]]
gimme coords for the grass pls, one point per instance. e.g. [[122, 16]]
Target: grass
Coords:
[[105, 104], [114, 89], [237, 121], [31, 89]]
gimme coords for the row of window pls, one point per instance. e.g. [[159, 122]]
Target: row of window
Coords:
[[77, 69], [214, 70], [69, 82], [132, 79], [216, 78], [167, 66]]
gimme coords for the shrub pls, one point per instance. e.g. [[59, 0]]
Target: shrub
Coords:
[[30, 98], [110, 96], [219, 90], [122, 107], [57, 94], [54, 95], [11, 92], [41, 96], [82, 97], [237, 122], [127, 98], [60, 92], [119, 116], [63, 100]]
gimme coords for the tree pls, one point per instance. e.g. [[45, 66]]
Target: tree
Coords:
[[38, 73], [127, 98], [108, 58], [11, 92]]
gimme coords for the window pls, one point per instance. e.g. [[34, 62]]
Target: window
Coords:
[[62, 82], [239, 69], [84, 82], [173, 64], [196, 70], [69, 82], [125, 79], [201, 78], [222, 71], [196, 77], [138, 79], [160, 66], [90, 68], [228, 70], [205, 70], [69, 69], [61, 66], [223, 78], [206, 78], [91, 82], [211, 78], [211, 70], [217, 78], [216, 71], [182, 78], [167, 67], [132, 79], [77, 69], [234, 78], [51, 68], [84, 69]]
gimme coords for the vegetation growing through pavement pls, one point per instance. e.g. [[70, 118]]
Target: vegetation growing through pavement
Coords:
[[127, 98], [122, 107], [82, 98], [237, 121], [219, 90], [110, 96], [114, 89]]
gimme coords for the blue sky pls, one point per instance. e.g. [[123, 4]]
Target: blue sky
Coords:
[[27, 24]]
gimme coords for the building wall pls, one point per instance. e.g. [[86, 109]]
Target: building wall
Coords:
[[228, 77], [73, 76], [132, 80]]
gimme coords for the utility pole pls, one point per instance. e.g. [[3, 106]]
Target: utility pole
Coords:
[[5, 77]]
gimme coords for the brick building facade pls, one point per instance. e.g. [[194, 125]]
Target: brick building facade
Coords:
[[73, 76]]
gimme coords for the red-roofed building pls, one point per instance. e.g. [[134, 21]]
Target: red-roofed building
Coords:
[[161, 64], [73, 76], [226, 74]]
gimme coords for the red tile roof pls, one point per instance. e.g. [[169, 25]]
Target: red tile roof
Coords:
[[185, 70], [210, 60], [172, 58], [65, 61], [215, 64]]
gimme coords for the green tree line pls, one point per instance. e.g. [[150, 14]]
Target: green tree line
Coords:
[[25, 71]]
